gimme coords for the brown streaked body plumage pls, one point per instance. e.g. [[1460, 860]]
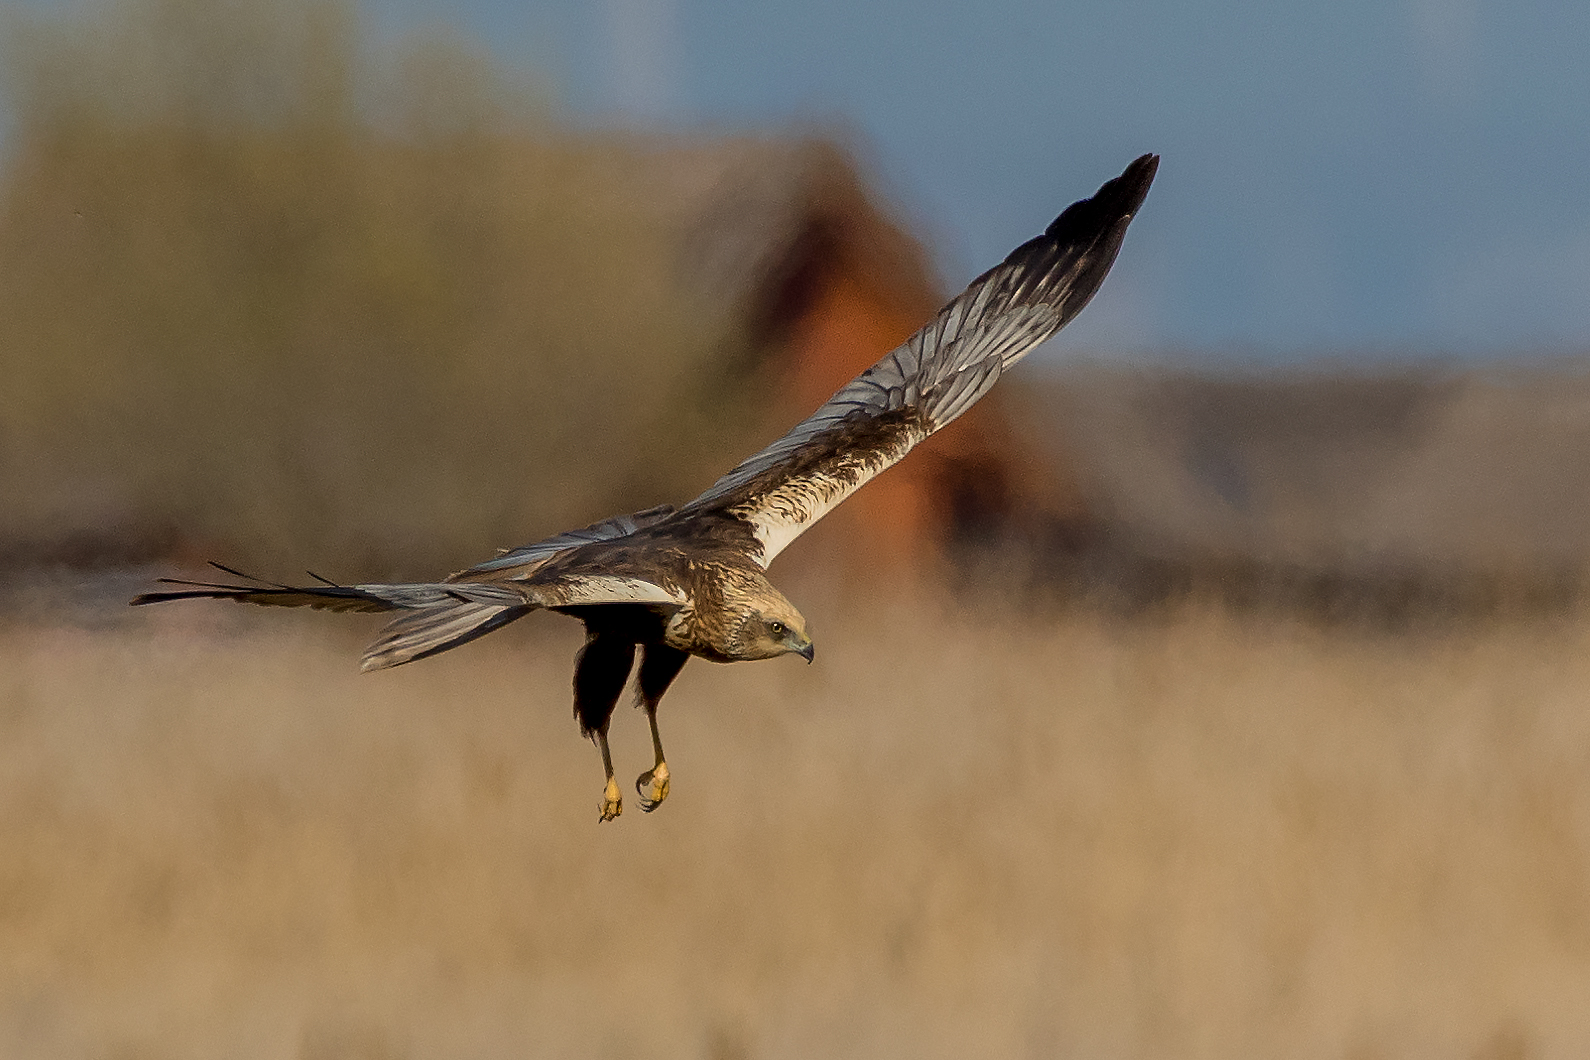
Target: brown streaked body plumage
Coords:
[[667, 583]]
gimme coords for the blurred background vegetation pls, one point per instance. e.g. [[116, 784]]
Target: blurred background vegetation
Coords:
[[264, 292], [274, 294]]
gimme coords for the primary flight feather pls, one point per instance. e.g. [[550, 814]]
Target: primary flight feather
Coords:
[[674, 583]]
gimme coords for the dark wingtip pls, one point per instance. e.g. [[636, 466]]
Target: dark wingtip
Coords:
[[1118, 199], [181, 594], [159, 597], [233, 571], [1135, 180]]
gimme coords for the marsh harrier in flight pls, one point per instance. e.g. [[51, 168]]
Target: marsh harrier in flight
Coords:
[[676, 582]]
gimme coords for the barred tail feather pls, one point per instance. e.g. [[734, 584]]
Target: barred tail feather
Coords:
[[429, 631]]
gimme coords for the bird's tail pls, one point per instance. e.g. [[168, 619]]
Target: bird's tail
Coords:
[[433, 630], [436, 615]]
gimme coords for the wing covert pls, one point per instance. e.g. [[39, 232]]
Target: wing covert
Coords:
[[527, 559]]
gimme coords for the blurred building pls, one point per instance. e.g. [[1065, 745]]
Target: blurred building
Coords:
[[826, 282], [1339, 488]]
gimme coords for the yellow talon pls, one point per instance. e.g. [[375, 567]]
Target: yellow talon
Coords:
[[657, 780], [612, 802]]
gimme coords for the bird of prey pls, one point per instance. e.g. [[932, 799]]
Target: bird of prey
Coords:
[[675, 582]]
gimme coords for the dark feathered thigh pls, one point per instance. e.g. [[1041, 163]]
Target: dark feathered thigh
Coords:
[[612, 633]]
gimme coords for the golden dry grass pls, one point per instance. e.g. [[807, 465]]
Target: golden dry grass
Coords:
[[959, 834]]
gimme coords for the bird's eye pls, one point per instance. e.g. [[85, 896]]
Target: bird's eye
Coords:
[[777, 629]]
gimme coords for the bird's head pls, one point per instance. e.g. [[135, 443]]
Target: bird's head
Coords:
[[769, 626]]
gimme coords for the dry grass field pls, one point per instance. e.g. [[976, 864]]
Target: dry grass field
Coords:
[[961, 833]]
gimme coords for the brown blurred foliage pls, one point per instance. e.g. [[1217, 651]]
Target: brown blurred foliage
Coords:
[[263, 294]]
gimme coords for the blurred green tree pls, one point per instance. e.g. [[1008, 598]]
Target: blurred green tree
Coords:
[[266, 294]]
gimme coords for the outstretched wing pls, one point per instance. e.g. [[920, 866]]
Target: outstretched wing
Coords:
[[434, 616], [330, 596], [524, 561], [938, 374]]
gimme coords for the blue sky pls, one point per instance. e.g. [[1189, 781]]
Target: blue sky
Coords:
[[1403, 177]]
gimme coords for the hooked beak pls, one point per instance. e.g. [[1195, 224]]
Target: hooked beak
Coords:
[[808, 652]]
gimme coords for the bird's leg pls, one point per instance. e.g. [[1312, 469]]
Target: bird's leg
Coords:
[[612, 801], [656, 778], [599, 675], [658, 668]]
